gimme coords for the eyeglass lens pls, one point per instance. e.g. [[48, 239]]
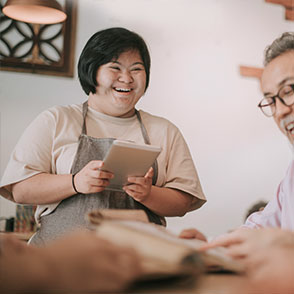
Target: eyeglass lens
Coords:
[[285, 94]]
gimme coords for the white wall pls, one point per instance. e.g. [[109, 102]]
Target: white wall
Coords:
[[196, 48]]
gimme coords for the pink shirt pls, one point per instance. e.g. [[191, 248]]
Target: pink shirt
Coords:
[[279, 212]]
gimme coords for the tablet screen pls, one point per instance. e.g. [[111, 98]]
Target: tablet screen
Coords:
[[126, 159]]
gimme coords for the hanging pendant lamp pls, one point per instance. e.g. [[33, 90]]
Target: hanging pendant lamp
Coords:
[[35, 11]]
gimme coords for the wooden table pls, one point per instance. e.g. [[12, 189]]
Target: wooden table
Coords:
[[220, 283], [24, 236]]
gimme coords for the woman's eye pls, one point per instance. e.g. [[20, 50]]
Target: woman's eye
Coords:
[[114, 67], [137, 69]]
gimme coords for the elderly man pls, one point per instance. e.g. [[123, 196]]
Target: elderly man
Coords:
[[268, 254], [277, 84]]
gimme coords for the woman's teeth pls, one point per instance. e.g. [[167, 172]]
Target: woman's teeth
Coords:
[[122, 90]]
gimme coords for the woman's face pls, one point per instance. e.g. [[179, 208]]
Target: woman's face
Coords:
[[121, 83]]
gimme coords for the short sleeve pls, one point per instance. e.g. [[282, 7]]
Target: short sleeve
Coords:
[[270, 216], [279, 212], [32, 154], [181, 173]]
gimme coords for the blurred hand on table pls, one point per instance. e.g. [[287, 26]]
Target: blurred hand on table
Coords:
[[79, 262]]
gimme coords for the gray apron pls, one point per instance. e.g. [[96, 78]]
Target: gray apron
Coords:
[[71, 212]]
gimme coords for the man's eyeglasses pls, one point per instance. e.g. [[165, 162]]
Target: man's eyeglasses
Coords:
[[285, 95]]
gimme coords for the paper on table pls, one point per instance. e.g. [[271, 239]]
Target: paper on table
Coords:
[[157, 243]]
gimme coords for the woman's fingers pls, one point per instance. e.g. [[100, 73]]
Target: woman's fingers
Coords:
[[136, 195], [139, 187], [141, 181], [100, 174], [150, 173], [91, 178]]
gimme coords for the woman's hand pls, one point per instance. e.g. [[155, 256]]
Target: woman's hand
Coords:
[[140, 187], [91, 179]]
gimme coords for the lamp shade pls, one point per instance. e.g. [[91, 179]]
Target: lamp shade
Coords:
[[35, 11]]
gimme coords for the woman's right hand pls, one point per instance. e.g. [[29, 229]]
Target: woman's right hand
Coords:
[[91, 179]]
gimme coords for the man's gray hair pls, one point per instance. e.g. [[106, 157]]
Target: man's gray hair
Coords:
[[279, 46]]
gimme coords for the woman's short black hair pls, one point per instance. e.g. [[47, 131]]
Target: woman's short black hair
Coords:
[[105, 46]]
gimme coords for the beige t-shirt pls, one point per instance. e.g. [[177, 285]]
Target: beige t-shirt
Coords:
[[49, 145]]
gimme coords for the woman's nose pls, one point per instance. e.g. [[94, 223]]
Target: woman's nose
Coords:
[[125, 77], [282, 109]]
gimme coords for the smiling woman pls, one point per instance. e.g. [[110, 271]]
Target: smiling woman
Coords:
[[57, 162]]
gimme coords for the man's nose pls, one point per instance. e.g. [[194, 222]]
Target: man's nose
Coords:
[[126, 77], [282, 109]]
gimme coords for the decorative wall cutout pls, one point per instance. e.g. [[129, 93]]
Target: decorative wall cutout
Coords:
[[41, 49], [289, 6], [254, 72]]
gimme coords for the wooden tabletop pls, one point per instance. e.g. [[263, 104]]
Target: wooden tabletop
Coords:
[[24, 236], [220, 283]]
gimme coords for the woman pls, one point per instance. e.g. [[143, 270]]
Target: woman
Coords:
[[56, 164]]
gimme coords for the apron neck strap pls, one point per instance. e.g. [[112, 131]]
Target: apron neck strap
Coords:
[[143, 129], [85, 110], [147, 141]]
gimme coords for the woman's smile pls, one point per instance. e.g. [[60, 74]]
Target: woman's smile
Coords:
[[123, 90]]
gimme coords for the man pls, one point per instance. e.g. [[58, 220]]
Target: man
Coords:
[[268, 253], [277, 84]]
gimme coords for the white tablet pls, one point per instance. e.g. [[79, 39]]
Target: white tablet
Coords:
[[125, 158]]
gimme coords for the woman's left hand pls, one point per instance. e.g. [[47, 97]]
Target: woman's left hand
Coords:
[[140, 187]]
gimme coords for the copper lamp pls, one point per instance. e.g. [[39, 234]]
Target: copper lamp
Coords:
[[35, 11]]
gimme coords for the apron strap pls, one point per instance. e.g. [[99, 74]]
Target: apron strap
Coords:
[[147, 141], [85, 109], [143, 129]]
